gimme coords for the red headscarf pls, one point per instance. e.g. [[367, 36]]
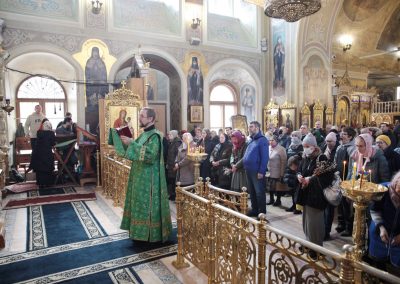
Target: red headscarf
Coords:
[[239, 141], [369, 152]]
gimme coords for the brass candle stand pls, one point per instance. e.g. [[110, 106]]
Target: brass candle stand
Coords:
[[361, 193], [197, 156]]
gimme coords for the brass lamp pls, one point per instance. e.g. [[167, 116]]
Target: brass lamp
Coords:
[[7, 108]]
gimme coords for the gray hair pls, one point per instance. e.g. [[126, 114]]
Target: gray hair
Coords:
[[174, 133]]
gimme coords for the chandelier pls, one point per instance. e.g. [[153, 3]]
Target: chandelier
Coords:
[[291, 10]]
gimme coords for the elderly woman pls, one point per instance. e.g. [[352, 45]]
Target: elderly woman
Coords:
[[393, 158], [369, 159], [239, 178], [173, 145], [384, 231], [220, 162], [295, 147], [316, 174], [276, 170], [183, 166], [43, 158]]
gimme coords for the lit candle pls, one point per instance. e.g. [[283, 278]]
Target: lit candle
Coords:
[[344, 169], [353, 176], [362, 176]]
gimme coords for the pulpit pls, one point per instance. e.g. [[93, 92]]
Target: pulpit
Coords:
[[87, 144]]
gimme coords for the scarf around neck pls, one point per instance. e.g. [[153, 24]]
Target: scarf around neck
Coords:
[[369, 152]]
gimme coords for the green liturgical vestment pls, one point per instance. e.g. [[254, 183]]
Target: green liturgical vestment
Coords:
[[146, 211]]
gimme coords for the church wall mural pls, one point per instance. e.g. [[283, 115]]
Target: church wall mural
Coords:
[[315, 81], [148, 16], [96, 60], [279, 55], [67, 10], [247, 101]]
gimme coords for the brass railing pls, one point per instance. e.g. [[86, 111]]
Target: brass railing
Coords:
[[230, 247], [115, 178]]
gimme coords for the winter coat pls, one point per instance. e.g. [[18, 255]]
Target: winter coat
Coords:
[[185, 174], [205, 167], [42, 161], [222, 154], [312, 195], [378, 166], [171, 156], [257, 154], [343, 153], [277, 162], [284, 140], [292, 151], [290, 178], [393, 159], [239, 178]]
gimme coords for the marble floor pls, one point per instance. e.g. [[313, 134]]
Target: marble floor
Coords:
[[110, 218]]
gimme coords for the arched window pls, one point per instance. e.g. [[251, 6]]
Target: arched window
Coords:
[[44, 91], [223, 105]]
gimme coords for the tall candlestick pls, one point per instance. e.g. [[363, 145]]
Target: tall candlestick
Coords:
[[344, 169], [353, 176], [362, 176]]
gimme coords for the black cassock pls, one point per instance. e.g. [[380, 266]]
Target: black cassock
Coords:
[[43, 159]]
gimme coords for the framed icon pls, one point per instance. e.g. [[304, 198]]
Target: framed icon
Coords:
[[196, 113]]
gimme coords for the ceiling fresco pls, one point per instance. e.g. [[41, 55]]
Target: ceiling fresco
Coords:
[[375, 28]]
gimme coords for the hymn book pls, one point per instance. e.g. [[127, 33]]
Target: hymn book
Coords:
[[124, 131]]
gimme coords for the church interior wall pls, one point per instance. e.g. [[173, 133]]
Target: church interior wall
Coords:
[[44, 63]]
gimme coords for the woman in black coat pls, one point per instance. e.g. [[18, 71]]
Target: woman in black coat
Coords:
[[220, 161], [208, 145], [42, 158]]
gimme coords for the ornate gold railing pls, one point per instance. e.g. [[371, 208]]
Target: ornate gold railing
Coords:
[[230, 247], [115, 178]]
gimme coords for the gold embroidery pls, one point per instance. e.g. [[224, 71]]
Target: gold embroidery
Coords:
[[142, 152]]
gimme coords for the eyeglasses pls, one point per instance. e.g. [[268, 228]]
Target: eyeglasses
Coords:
[[379, 142]]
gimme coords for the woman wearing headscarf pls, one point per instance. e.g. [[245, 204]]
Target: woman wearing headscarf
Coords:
[[369, 159], [295, 147], [183, 166], [208, 145], [384, 231], [239, 178], [316, 174], [276, 169], [220, 162], [42, 158]]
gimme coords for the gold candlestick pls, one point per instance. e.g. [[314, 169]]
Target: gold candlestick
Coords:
[[361, 197], [197, 158], [353, 177]]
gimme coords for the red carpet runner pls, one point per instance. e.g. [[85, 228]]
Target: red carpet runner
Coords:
[[30, 185], [49, 199]]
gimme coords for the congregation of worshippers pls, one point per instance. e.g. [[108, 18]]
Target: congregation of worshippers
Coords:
[[300, 163]]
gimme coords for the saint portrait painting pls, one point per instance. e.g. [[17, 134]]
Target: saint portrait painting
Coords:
[[195, 83]]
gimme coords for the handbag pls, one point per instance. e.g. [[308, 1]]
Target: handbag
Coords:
[[333, 193]]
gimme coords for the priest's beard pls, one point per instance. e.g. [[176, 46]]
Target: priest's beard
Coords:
[[145, 125]]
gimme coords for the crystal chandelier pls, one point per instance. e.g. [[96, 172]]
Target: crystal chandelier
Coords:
[[291, 10]]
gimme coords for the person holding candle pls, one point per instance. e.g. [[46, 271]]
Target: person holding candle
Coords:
[[384, 230], [369, 158], [316, 172], [342, 160]]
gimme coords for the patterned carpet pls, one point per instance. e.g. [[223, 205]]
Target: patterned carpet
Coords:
[[66, 243]]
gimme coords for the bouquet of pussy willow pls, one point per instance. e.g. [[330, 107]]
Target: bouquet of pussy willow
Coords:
[[324, 166]]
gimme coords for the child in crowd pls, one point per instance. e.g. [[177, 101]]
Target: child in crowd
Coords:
[[290, 178]]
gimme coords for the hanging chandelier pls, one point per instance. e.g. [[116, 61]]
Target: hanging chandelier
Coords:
[[291, 10]]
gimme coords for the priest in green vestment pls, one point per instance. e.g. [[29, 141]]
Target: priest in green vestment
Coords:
[[146, 213]]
